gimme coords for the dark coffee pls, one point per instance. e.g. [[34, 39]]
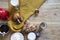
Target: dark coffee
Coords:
[[4, 28]]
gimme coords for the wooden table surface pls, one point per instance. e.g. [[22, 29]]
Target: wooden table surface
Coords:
[[50, 14]]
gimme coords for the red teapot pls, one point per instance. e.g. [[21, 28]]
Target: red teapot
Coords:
[[4, 14]]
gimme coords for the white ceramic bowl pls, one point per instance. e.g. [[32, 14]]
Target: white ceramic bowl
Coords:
[[17, 36]]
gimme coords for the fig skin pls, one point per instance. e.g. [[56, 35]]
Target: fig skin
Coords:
[[29, 27], [36, 11], [16, 16]]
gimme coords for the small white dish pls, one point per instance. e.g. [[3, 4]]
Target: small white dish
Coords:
[[14, 2], [17, 36], [31, 36]]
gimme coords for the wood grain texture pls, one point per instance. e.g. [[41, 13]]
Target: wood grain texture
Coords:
[[50, 14], [3, 0]]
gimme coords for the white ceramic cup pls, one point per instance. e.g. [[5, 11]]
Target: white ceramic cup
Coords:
[[31, 36], [43, 25], [17, 36], [14, 2]]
